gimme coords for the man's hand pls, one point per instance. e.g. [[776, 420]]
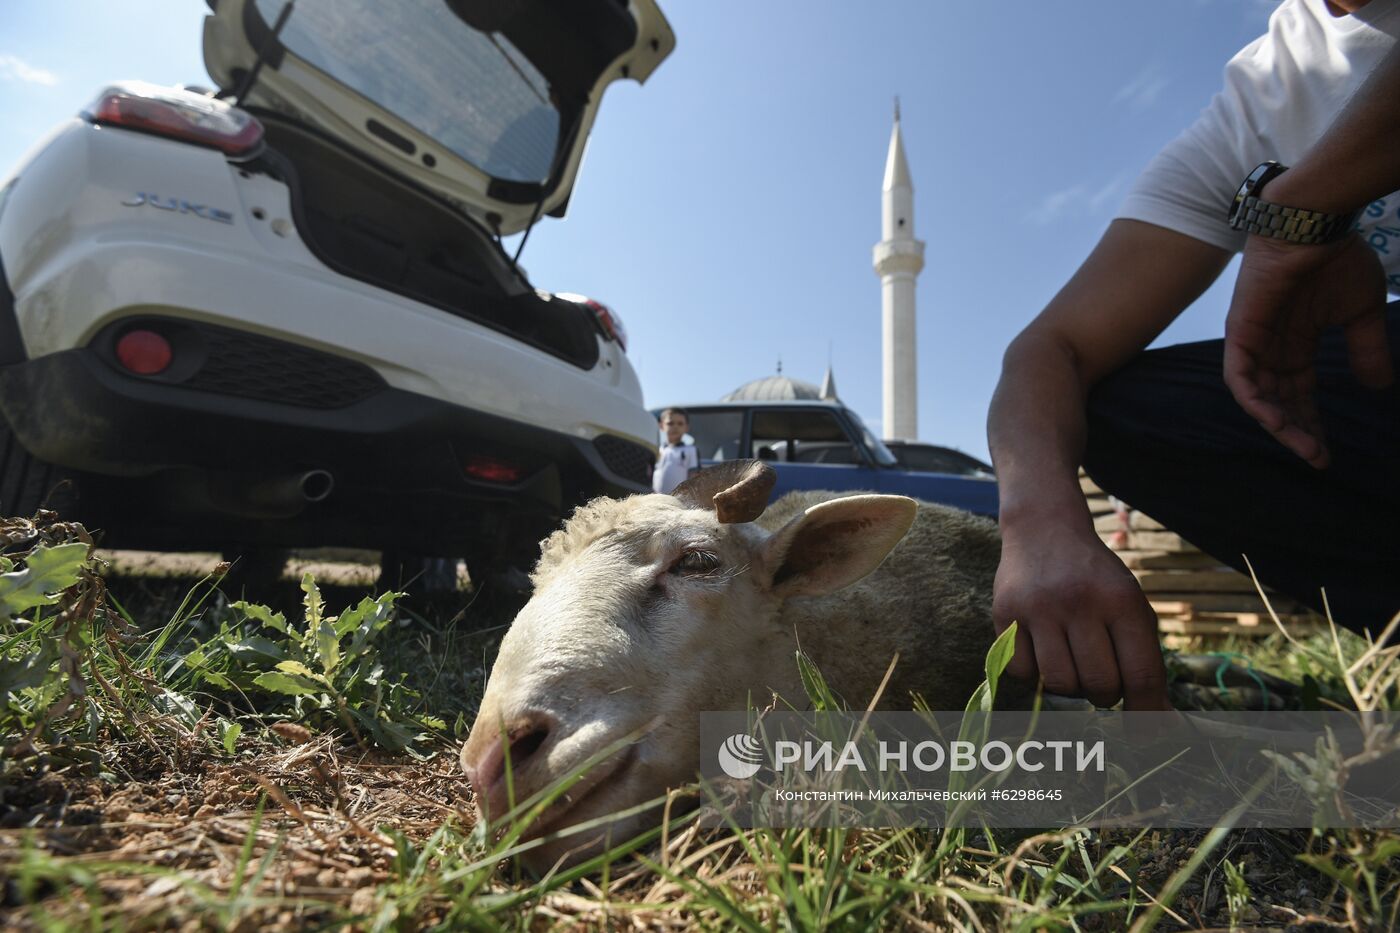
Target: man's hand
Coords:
[[1285, 297], [1082, 621]]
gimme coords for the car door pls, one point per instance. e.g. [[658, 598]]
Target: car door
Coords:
[[810, 448], [972, 493]]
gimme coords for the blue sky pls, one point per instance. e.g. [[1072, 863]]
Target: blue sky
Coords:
[[727, 209]]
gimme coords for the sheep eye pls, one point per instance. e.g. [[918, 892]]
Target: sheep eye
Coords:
[[696, 562]]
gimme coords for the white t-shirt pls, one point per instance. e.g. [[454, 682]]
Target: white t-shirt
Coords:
[[1282, 92], [673, 465]]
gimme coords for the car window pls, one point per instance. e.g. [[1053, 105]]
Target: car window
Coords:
[[827, 452], [935, 460], [473, 92], [717, 434], [798, 436], [877, 449]]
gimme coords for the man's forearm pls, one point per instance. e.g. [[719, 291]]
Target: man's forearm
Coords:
[[1356, 161], [1136, 280], [1036, 429]]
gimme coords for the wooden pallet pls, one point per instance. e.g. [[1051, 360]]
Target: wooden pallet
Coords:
[[1233, 603], [1215, 580], [1129, 520], [1166, 560], [1185, 618], [1239, 624]]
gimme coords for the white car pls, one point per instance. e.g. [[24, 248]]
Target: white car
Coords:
[[281, 314]]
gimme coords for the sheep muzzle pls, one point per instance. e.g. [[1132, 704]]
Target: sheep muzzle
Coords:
[[737, 490]]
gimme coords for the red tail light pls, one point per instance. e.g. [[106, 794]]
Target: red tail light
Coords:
[[608, 320], [178, 114], [144, 352], [611, 323], [491, 470]]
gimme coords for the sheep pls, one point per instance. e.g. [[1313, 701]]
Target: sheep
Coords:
[[650, 609]]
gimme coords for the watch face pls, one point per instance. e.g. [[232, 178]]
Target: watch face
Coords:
[[1263, 173]]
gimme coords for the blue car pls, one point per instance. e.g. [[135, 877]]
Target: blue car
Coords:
[[821, 444]]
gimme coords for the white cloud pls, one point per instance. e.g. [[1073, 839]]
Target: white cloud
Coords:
[[14, 68], [1054, 204], [1142, 92], [1077, 199], [1105, 194]]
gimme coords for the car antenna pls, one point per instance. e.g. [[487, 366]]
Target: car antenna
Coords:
[[264, 51]]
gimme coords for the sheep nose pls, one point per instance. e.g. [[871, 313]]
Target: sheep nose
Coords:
[[485, 755]]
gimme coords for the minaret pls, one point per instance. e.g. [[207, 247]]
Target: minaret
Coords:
[[898, 259]]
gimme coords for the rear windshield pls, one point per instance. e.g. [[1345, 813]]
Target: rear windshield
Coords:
[[473, 92]]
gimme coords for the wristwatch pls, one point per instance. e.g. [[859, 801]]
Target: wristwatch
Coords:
[[1253, 214]]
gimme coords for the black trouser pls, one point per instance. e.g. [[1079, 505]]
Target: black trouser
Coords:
[[1166, 436]]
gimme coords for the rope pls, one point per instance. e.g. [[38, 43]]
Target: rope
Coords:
[[1226, 659]]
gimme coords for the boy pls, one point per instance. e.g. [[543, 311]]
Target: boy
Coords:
[[676, 459]]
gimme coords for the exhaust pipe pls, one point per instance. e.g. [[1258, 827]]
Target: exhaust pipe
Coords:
[[267, 498], [284, 496], [316, 485]]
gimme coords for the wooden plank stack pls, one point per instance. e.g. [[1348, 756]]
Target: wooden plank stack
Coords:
[[1192, 593]]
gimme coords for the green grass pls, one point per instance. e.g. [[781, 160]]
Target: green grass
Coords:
[[223, 766]]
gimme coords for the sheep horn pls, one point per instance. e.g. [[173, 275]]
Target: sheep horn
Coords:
[[737, 490]]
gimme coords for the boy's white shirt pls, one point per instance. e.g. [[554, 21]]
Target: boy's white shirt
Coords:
[[673, 464]]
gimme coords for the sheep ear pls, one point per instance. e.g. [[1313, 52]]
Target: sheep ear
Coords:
[[836, 543], [737, 490]]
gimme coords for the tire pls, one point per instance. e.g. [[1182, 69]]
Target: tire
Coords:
[[500, 591], [28, 484], [418, 575], [256, 574]]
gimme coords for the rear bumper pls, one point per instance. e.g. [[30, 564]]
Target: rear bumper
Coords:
[[170, 463], [80, 257]]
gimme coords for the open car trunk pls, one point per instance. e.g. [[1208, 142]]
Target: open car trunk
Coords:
[[487, 103], [366, 224]]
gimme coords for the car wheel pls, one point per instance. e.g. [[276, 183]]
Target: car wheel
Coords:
[[28, 484], [256, 574], [500, 590], [418, 575]]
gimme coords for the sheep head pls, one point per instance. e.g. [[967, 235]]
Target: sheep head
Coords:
[[646, 611]]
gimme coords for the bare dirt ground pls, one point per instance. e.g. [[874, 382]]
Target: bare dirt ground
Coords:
[[185, 833], [338, 567], [159, 831]]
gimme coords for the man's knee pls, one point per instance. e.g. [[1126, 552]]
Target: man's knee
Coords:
[[1125, 421]]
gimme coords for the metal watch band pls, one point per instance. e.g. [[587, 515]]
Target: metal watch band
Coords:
[[1292, 224]]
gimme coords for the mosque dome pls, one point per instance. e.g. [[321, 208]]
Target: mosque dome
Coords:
[[782, 388], [773, 389]]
